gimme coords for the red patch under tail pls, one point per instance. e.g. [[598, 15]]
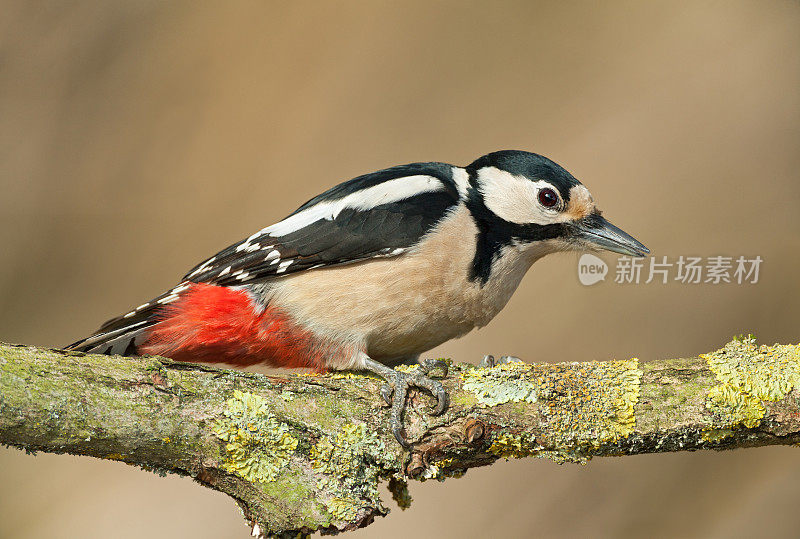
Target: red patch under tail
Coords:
[[217, 324]]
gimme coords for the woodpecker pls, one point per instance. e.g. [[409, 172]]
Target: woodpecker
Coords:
[[373, 272]]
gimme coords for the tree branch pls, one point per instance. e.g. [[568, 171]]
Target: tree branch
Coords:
[[302, 453]]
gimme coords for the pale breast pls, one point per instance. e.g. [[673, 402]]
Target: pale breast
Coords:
[[408, 304]]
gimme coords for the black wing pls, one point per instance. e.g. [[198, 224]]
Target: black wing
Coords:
[[351, 234]]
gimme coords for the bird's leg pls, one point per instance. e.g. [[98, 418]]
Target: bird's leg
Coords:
[[490, 361], [396, 389]]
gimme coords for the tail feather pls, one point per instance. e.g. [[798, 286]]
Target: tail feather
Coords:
[[122, 341], [123, 334]]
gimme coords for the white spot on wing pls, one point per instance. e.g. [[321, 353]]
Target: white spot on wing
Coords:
[[142, 306], [203, 267], [271, 255], [283, 265], [224, 272]]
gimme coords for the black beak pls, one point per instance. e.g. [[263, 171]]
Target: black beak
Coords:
[[598, 232]]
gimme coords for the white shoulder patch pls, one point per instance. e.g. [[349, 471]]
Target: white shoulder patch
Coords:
[[461, 178], [384, 193]]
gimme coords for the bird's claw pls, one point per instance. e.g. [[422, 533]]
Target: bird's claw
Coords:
[[395, 390], [386, 393]]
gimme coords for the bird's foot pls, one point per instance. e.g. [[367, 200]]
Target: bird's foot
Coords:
[[398, 384], [490, 361]]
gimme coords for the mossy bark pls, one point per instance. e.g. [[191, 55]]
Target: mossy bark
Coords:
[[302, 453]]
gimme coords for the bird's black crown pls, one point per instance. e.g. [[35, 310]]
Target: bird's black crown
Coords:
[[530, 165]]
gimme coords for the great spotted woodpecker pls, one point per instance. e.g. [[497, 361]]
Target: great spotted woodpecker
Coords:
[[373, 272]]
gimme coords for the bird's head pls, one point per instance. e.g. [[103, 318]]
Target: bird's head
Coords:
[[525, 199]]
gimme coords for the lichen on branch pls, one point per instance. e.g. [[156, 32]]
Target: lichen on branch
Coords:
[[303, 453]]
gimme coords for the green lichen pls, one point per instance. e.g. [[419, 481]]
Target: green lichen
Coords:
[[500, 384], [398, 486], [748, 376], [351, 462], [258, 446]]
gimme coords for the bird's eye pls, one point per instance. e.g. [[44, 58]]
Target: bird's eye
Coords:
[[547, 197]]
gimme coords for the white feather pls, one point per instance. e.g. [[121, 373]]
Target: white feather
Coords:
[[385, 193]]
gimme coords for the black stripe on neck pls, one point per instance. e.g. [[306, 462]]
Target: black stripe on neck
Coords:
[[495, 233]]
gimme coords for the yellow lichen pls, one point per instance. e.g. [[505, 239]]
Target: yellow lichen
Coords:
[[441, 469], [348, 375], [629, 378], [582, 405], [258, 446], [407, 368], [749, 375], [509, 445], [716, 435], [321, 454], [431, 472], [587, 404], [342, 509]]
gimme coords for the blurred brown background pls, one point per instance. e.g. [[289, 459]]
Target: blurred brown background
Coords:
[[136, 138]]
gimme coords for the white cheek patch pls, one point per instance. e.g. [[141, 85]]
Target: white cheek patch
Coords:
[[514, 198]]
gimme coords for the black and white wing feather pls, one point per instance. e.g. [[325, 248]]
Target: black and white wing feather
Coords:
[[378, 215]]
